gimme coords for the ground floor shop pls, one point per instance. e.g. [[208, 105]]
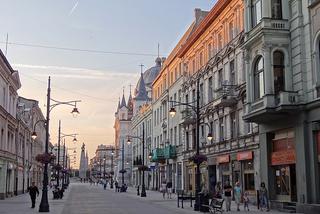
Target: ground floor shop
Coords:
[[7, 179], [290, 163], [241, 166]]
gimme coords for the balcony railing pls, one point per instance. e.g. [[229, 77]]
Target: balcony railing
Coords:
[[170, 152], [158, 155], [188, 116], [271, 105]]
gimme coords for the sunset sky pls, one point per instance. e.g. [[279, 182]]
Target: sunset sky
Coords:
[[121, 39]]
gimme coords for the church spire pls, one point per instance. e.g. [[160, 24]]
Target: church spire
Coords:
[[130, 101], [123, 101], [142, 91]]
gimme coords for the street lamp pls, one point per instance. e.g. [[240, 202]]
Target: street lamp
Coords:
[[44, 204], [196, 109], [143, 190]]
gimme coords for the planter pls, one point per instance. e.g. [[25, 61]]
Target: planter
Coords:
[[198, 159]]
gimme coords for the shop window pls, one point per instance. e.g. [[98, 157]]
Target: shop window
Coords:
[[278, 72], [282, 180], [276, 9], [256, 12], [259, 79]]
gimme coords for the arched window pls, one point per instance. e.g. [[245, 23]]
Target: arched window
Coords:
[[278, 71], [259, 79]]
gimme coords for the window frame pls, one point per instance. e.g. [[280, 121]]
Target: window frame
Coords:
[[258, 74]]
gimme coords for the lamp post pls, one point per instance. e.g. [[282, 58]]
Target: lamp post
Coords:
[[196, 109], [44, 204], [104, 167], [143, 189], [112, 172], [61, 136]]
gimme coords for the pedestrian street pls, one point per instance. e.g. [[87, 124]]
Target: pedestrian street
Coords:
[[83, 198]]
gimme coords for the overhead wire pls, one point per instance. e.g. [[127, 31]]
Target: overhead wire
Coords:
[[78, 49]]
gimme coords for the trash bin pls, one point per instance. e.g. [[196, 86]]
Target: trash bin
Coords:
[[204, 198]]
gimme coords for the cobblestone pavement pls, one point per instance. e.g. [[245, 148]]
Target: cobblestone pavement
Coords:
[[89, 199], [21, 204]]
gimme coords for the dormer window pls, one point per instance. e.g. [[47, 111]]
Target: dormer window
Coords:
[[276, 9], [256, 12]]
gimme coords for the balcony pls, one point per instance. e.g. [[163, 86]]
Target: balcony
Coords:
[[272, 107], [268, 27], [158, 155], [170, 152], [188, 116], [225, 96]]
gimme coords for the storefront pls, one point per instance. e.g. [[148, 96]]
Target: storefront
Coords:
[[247, 175], [224, 168], [212, 174], [283, 160]]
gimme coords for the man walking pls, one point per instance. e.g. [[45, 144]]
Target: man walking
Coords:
[[33, 192]]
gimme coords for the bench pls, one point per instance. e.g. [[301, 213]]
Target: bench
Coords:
[[182, 197], [215, 205]]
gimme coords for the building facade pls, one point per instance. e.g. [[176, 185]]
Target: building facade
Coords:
[[9, 83], [282, 71], [123, 151]]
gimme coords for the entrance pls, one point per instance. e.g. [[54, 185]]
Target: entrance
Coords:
[[285, 186], [212, 178]]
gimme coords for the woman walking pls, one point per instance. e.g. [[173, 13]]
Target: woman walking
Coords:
[[237, 195], [263, 195]]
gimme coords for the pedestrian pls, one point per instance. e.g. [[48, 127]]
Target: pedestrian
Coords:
[[263, 196], [163, 189], [169, 189], [246, 201], [33, 192], [237, 195], [218, 190], [116, 185], [227, 194]]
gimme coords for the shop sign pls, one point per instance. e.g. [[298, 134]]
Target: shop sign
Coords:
[[223, 159], [244, 156], [212, 161], [283, 157]]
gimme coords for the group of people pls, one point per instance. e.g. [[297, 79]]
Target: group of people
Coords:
[[166, 188], [240, 195]]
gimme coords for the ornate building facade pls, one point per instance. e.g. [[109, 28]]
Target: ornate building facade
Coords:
[[282, 72]]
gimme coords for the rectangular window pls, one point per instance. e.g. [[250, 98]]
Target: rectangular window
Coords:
[[221, 129], [175, 136], [210, 90], [219, 41], [187, 141], [276, 9], [233, 124], [232, 73], [220, 78], [201, 94], [201, 59], [256, 12], [231, 31], [193, 66], [209, 51]]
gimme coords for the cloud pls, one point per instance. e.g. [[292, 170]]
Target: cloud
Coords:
[[77, 73], [73, 8]]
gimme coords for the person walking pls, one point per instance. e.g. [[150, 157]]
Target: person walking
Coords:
[[263, 196], [237, 195], [33, 192], [246, 201], [163, 189], [169, 189], [227, 194]]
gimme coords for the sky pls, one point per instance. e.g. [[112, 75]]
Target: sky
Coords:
[[92, 49]]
